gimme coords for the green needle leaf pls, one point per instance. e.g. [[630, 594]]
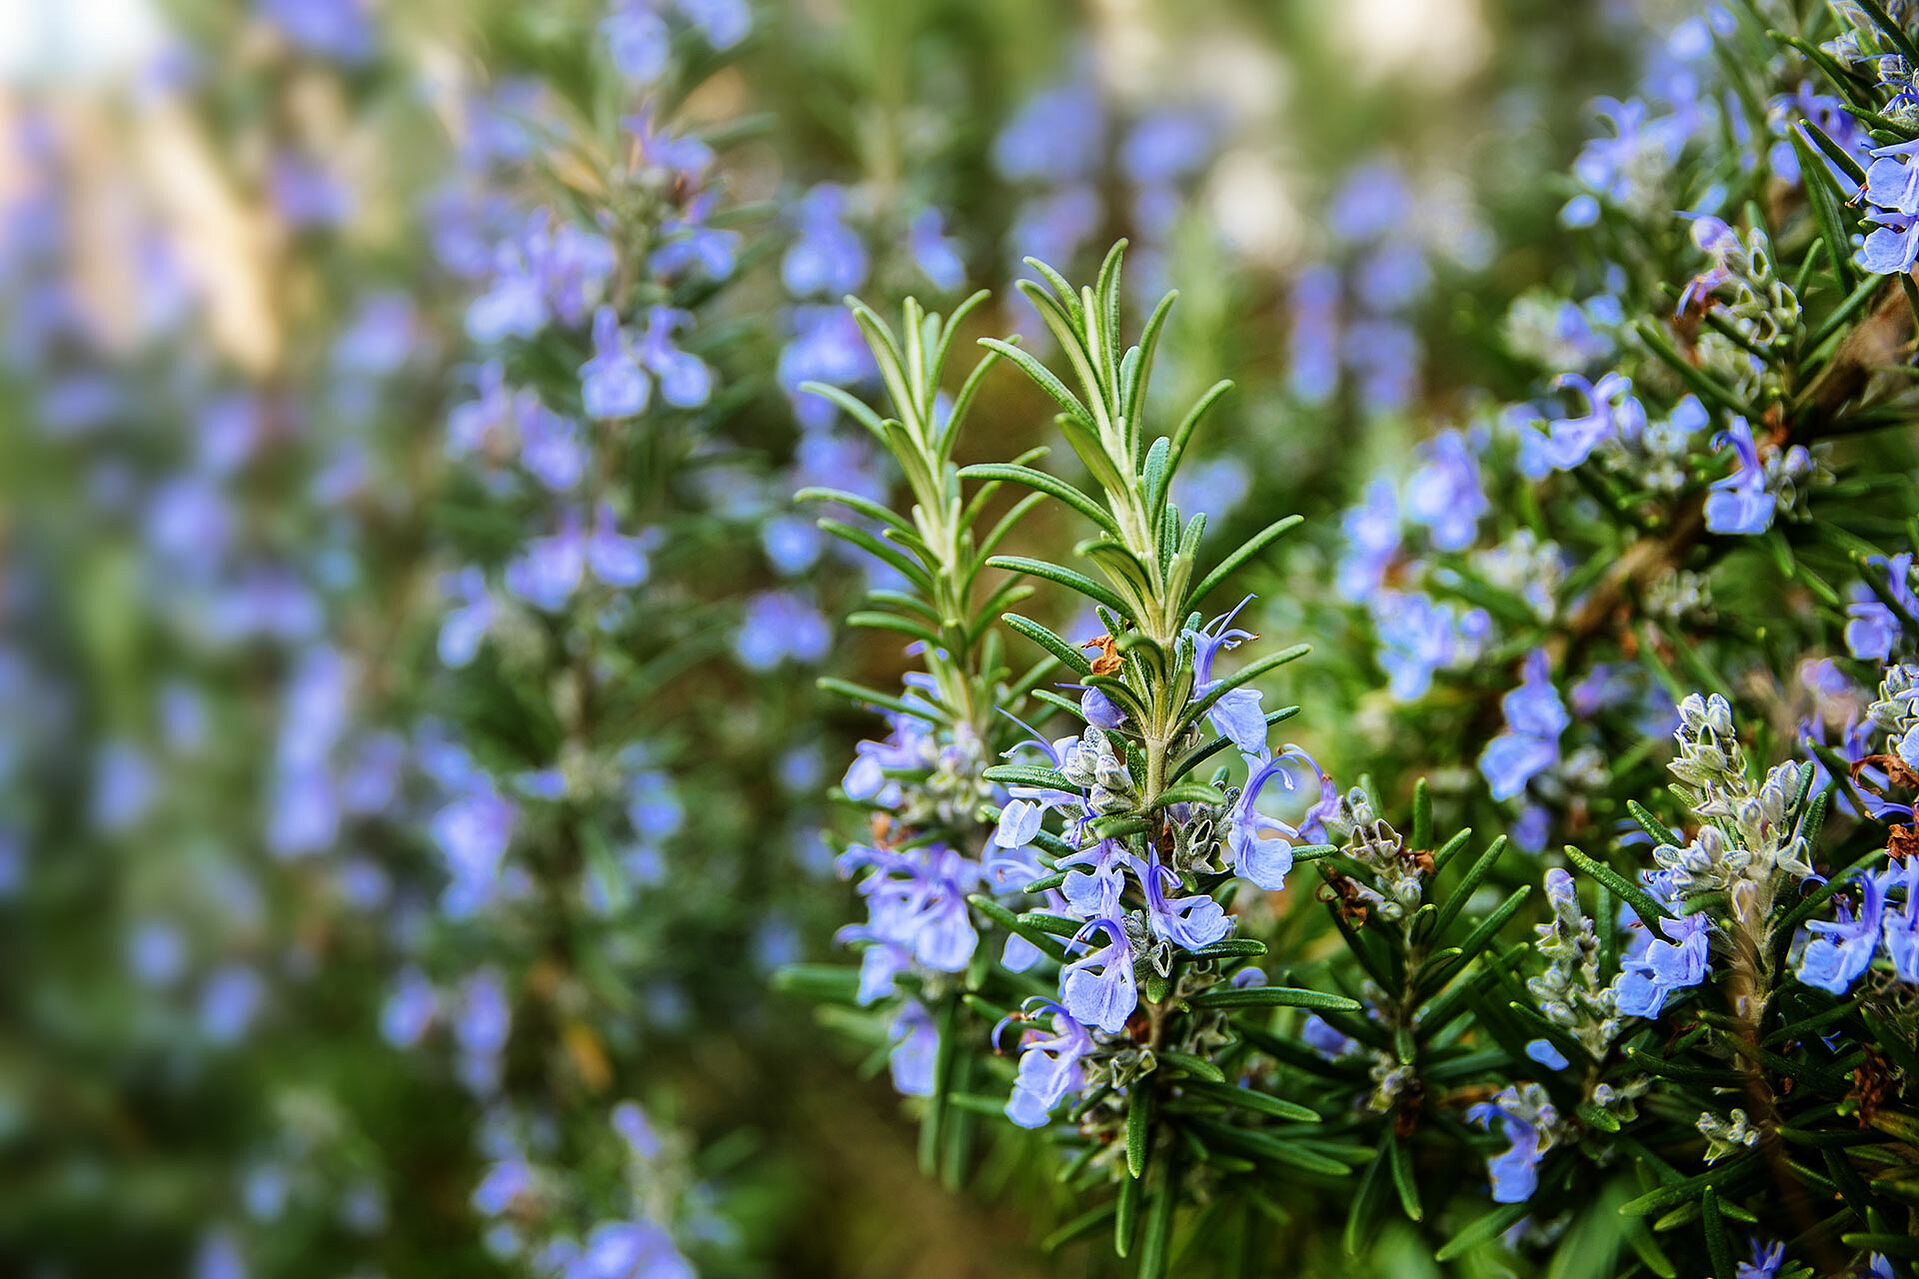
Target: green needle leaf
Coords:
[[1251, 547], [1051, 485], [1273, 997], [1139, 1128], [1064, 577], [1643, 903]]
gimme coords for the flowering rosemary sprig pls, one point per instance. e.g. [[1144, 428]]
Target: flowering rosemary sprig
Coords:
[[1123, 983]]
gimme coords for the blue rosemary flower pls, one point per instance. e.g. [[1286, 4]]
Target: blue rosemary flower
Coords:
[[827, 257], [1765, 1262], [915, 1052], [1420, 636], [638, 1249], [341, 30], [1326, 1041], [1445, 494], [1654, 968], [1049, 1065], [1892, 189], [409, 1010], [780, 626], [1740, 502], [1525, 1119], [1099, 989], [916, 904], [1845, 947], [1611, 411], [638, 39], [1900, 922], [1056, 137], [1186, 922], [1261, 847], [1313, 373], [935, 253], [685, 381], [1874, 629], [551, 448], [1096, 879], [1372, 541], [1535, 718], [1237, 715], [612, 384], [1543, 1052]]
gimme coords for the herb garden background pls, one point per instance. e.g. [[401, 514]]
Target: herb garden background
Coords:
[[878, 638]]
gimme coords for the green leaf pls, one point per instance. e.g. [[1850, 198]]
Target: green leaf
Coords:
[[1081, 1226], [1662, 1197], [871, 509], [1006, 524], [1188, 793], [1890, 1244], [933, 1119], [1703, 384], [874, 620], [1482, 1230], [1124, 569], [1006, 919], [1840, 156], [1248, 1099], [1126, 1216], [1446, 852], [1457, 899], [1648, 1249], [853, 407], [1043, 378], [820, 983], [904, 603], [1057, 925], [1682, 1073], [1272, 997], [1051, 485], [1359, 1218], [1139, 1128], [1231, 948], [1598, 1116], [1264, 1145], [871, 697], [1843, 314], [1814, 819], [1818, 183], [1198, 1067], [1133, 392], [1718, 1247], [1157, 476], [1027, 775], [1159, 1227], [1064, 577], [1187, 424], [1660, 832], [882, 550], [1489, 927], [1895, 32], [1251, 547], [1072, 658], [1403, 1179], [1643, 903], [1422, 815], [1841, 79]]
